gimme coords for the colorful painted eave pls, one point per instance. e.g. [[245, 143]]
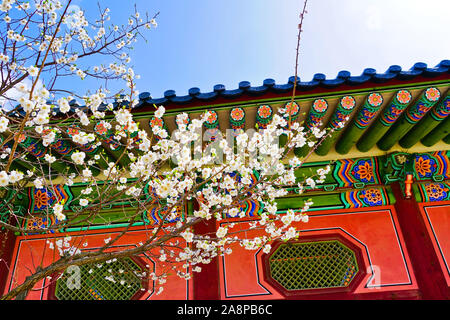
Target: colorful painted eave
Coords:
[[394, 76], [391, 112]]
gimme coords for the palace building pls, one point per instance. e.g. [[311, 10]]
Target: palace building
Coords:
[[378, 226]]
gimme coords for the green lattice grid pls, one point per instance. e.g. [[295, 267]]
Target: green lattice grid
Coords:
[[94, 286], [313, 265]]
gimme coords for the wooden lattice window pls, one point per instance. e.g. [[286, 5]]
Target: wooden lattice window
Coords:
[[313, 266], [120, 279]]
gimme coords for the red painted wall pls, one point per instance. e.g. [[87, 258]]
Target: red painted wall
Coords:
[[376, 231], [436, 216], [31, 251]]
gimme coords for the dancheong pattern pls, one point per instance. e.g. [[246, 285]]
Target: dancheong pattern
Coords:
[[41, 199], [369, 110], [365, 198], [423, 105], [317, 113], [360, 171], [435, 191], [156, 214], [292, 110], [212, 120], [63, 147], [39, 222], [157, 122], [429, 165], [89, 148], [237, 119], [212, 126], [33, 146], [264, 115], [442, 110], [107, 136], [396, 108], [343, 110]]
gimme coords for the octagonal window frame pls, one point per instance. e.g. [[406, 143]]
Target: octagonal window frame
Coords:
[[144, 283], [339, 292]]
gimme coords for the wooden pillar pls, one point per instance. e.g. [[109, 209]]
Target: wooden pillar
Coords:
[[429, 276], [7, 241], [206, 282]]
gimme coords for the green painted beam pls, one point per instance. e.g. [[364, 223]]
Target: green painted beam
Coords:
[[409, 118], [447, 139], [314, 120], [65, 149], [90, 148], [355, 130], [431, 120], [437, 134], [386, 119], [115, 149], [34, 148], [343, 110], [17, 164]]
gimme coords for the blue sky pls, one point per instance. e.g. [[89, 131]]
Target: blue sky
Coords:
[[200, 43]]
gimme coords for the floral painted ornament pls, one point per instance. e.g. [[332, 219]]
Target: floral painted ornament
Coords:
[[40, 222], [106, 135], [157, 123], [403, 96], [375, 99], [182, 119], [425, 166], [372, 197], [264, 115], [292, 110], [317, 113], [212, 126], [237, 118], [347, 102], [41, 199], [432, 94], [437, 191], [363, 171], [212, 120]]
